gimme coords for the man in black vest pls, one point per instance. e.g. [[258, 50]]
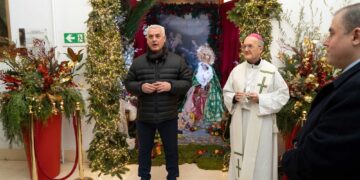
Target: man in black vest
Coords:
[[159, 79], [328, 146]]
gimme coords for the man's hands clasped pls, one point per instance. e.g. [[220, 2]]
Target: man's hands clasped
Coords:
[[158, 87]]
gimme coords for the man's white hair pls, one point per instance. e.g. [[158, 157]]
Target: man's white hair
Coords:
[[154, 26]]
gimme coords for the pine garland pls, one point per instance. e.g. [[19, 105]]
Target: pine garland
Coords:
[[254, 16], [105, 68], [13, 114]]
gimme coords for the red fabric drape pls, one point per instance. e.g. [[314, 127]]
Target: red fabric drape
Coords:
[[230, 45], [139, 39], [132, 3], [288, 141]]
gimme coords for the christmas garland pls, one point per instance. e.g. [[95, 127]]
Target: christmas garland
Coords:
[[105, 68], [255, 16], [197, 9]]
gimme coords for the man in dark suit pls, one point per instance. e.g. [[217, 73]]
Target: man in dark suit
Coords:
[[328, 146]]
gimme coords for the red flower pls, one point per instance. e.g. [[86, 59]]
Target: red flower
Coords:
[[48, 80], [309, 86], [43, 69], [200, 152], [322, 79], [12, 88], [9, 79], [63, 67]]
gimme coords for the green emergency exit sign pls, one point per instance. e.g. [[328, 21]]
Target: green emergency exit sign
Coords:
[[74, 38]]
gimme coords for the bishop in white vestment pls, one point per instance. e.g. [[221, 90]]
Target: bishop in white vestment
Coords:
[[253, 93]]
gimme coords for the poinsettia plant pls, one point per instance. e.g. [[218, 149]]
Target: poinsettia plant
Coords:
[[35, 79]]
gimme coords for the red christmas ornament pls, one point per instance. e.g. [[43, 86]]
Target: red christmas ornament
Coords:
[[200, 152]]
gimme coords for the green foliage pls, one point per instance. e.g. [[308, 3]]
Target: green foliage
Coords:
[[44, 109], [133, 18], [71, 97], [12, 114], [188, 155], [286, 118], [109, 153], [255, 16]]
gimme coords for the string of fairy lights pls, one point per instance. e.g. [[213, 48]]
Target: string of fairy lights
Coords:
[[108, 152]]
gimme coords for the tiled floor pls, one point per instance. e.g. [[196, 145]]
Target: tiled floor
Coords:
[[18, 170]]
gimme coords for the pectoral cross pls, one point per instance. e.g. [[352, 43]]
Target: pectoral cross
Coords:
[[262, 85]]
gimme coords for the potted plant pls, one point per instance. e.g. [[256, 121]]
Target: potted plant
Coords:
[[35, 81]]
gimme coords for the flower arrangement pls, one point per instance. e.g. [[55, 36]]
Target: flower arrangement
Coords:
[[34, 78], [306, 72]]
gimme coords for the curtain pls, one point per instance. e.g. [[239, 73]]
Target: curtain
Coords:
[[132, 3], [230, 45], [139, 39]]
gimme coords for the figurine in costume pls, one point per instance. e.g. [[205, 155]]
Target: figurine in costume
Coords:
[[203, 106]]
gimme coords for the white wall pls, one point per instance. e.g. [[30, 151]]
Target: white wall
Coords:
[[59, 16], [320, 16]]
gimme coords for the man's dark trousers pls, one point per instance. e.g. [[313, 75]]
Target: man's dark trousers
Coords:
[[168, 133]]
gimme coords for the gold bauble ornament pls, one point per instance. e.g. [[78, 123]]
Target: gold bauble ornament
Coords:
[[323, 59], [310, 78], [308, 99], [297, 105]]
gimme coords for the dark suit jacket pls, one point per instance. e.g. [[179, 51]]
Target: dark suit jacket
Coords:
[[328, 146]]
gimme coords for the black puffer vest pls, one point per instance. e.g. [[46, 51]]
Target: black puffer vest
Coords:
[[149, 68]]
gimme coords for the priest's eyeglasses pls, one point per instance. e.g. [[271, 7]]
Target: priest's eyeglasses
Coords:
[[250, 47]]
